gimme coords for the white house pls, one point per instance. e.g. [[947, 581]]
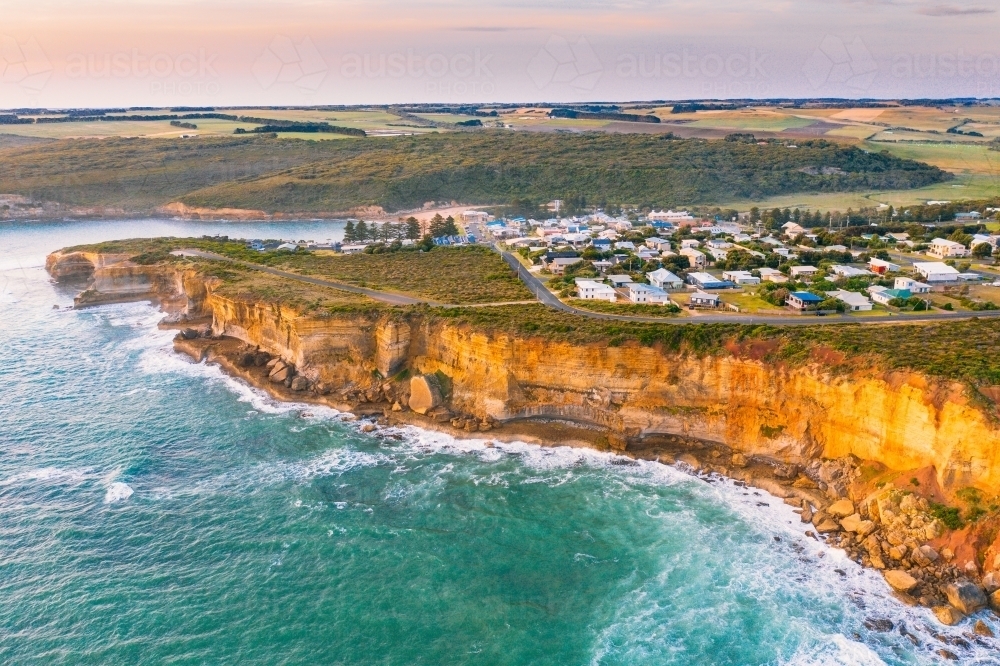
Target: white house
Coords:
[[625, 245], [911, 285], [644, 293], [619, 280], [689, 243], [772, 275], [717, 254], [848, 271], [697, 258], [806, 271], [719, 244], [854, 301], [740, 277], [936, 271], [946, 249], [700, 299], [353, 249], [881, 266], [664, 279], [595, 291]]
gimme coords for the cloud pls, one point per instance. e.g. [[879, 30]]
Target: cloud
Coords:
[[951, 10], [485, 28]]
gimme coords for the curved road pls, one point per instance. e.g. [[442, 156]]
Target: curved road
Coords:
[[549, 299]]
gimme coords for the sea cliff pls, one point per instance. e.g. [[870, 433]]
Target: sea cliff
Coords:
[[862, 437]]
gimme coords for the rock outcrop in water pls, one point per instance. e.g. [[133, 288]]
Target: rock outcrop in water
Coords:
[[825, 436]]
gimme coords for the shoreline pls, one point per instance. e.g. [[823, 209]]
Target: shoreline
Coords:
[[920, 577]]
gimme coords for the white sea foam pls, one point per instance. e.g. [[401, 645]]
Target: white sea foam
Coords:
[[118, 492], [55, 475]]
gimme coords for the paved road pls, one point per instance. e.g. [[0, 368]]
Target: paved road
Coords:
[[550, 299]]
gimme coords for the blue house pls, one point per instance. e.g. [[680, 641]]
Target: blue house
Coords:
[[803, 300]]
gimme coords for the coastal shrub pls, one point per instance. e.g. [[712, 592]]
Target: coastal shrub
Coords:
[[950, 516]]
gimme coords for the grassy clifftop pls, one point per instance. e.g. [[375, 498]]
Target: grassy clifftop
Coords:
[[281, 175]]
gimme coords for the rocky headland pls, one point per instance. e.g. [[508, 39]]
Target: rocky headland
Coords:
[[873, 461]]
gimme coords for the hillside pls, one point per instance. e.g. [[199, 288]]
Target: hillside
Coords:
[[492, 167]]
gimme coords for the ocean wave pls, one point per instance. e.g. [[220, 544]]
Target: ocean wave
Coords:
[[54, 475]]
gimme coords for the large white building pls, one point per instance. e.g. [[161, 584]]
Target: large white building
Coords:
[[936, 271]]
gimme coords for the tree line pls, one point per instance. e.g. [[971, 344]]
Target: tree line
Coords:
[[409, 229]]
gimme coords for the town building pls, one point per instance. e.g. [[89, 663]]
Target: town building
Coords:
[[848, 271], [883, 295], [708, 281], [619, 280], [558, 266], [772, 275], [700, 299], [852, 300], [591, 290], [644, 293], [803, 300], [802, 271], [911, 285], [741, 278], [664, 279], [936, 271], [881, 267], [695, 257], [943, 248]]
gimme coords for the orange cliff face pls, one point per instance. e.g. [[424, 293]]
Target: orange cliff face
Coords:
[[796, 414]]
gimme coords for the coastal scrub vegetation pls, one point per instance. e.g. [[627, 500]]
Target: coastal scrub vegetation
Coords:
[[488, 167]]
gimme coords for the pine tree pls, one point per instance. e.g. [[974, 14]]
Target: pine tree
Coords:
[[361, 232], [450, 228], [437, 226], [349, 234], [412, 228]]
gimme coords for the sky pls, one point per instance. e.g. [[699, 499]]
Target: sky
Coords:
[[110, 53]]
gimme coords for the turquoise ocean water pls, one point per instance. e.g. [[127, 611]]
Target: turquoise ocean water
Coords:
[[154, 511]]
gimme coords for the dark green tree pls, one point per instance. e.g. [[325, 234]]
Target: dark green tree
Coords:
[[412, 228], [982, 250], [350, 235]]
